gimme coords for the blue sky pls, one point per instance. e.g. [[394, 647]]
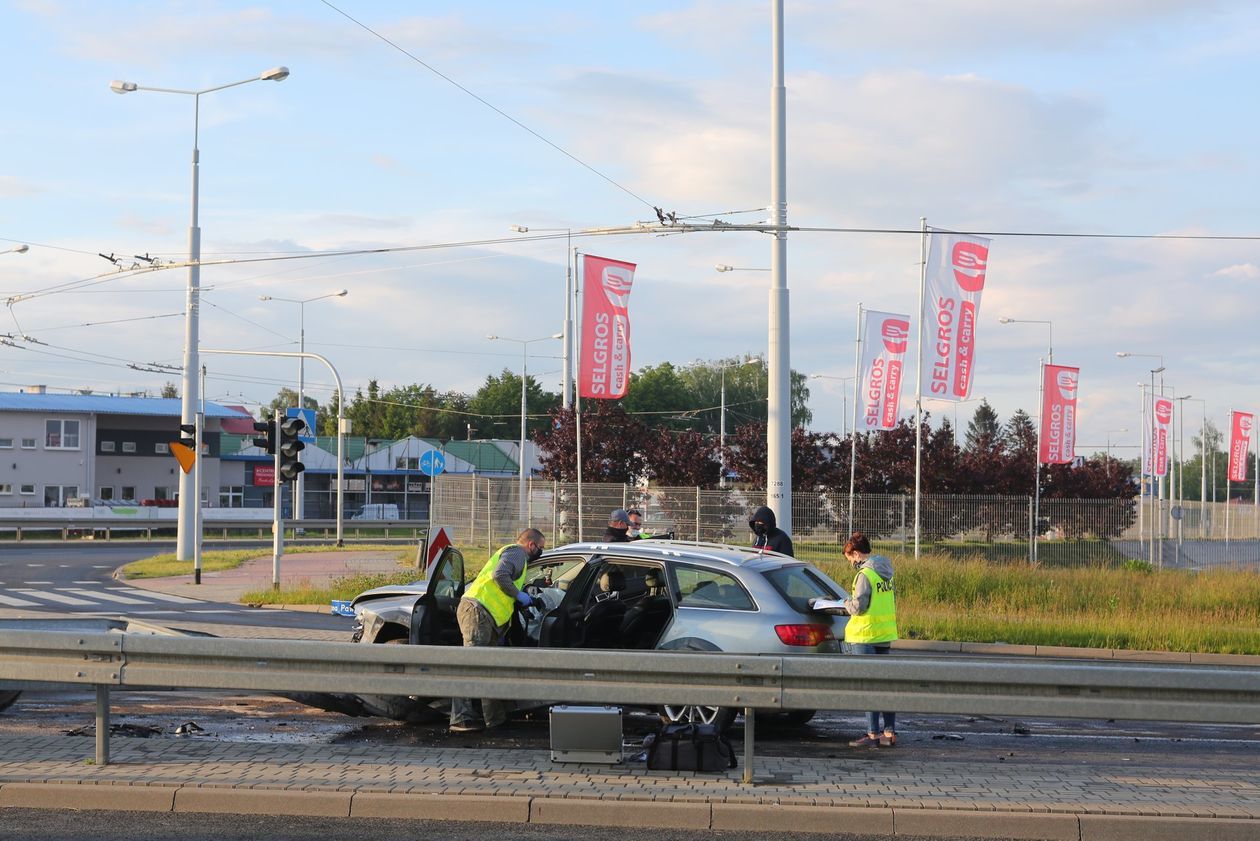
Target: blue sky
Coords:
[[1104, 117]]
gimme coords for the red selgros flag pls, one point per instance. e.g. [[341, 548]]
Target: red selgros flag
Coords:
[[955, 274], [605, 363], [1162, 415], [1058, 414], [1239, 442], [885, 337]]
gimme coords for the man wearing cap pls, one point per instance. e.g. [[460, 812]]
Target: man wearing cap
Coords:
[[618, 525]]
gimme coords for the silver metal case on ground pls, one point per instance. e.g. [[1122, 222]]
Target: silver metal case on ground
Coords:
[[585, 734]]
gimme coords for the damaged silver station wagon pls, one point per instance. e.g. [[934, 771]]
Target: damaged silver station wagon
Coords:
[[643, 595]]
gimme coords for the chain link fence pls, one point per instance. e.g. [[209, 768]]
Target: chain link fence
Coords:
[[488, 512]]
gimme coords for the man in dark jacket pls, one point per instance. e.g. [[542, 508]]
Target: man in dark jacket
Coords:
[[768, 534], [618, 525]]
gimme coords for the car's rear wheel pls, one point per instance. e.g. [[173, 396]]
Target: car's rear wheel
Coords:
[[797, 718], [721, 717]]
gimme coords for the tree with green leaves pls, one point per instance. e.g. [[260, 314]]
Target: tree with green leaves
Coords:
[[497, 406]]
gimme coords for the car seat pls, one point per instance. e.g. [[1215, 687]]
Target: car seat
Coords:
[[603, 619], [643, 623]]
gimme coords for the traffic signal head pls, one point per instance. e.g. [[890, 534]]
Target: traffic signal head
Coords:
[[289, 447], [185, 449], [188, 435], [268, 441]]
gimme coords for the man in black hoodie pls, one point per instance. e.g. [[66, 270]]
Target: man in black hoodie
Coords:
[[768, 534]]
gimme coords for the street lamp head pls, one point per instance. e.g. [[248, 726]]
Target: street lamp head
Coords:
[[491, 336], [1005, 320], [722, 267], [343, 293], [118, 86], [264, 297], [22, 249], [275, 74], [520, 229], [556, 336], [1122, 354]]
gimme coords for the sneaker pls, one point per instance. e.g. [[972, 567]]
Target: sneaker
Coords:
[[867, 741], [466, 727], [888, 740]]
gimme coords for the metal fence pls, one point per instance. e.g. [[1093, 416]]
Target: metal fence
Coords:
[[487, 512]]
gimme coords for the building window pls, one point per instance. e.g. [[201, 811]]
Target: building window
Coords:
[[28, 443], [106, 493], [56, 496], [404, 463], [27, 490], [129, 446], [162, 448], [108, 446], [61, 435], [232, 496], [5, 490], [6, 443], [129, 492], [162, 493]]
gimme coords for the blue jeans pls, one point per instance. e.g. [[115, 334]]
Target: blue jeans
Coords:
[[872, 718]]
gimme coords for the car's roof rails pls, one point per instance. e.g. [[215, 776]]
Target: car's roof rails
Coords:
[[719, 552]]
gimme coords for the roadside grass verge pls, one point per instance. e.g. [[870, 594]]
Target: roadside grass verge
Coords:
[[165, 565], [970, 600], [339, 588]]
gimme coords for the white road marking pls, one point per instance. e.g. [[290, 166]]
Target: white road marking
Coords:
[[54, 596], [153, 594], [45, 583], [12, 602], [109, 597]]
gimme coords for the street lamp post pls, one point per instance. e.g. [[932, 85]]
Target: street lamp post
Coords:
[[189, 495], [566, 394], [299, 488], [1149, 433], [845, 426], [524, 343], [1041, 379], [1109, 431]]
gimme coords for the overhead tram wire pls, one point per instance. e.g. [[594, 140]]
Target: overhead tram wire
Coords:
[[492, 107]]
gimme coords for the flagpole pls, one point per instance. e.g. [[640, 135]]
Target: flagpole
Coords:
[[857, 390], [1041, 411], [578, 402], [918, 387]]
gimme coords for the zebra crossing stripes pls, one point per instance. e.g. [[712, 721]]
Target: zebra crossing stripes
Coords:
[[107, 600], [11, 601]]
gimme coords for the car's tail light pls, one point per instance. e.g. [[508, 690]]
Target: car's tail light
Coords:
[[805, 635]]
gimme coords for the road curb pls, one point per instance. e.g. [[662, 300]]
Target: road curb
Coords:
[[748, 814]]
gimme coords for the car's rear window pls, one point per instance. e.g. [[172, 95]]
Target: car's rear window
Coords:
[[799, 584]]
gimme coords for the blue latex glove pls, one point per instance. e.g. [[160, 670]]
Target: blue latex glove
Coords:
[[524, 599]]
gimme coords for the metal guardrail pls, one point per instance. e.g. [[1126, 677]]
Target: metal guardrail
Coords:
[[957, 685]]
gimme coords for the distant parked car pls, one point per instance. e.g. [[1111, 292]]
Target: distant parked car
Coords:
[[642, 595], [377, 511]]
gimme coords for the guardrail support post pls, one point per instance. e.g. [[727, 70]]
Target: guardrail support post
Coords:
[[750, 727], [102, 724]]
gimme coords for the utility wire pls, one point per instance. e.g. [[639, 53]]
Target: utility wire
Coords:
[[493, 108]]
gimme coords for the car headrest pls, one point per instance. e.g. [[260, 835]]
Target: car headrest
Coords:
[[612, 580]]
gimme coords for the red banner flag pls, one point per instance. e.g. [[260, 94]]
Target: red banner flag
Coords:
[[1159, 434], [885, 336], [1058, 414], [1239, 443], [605, 361], [955, 274]]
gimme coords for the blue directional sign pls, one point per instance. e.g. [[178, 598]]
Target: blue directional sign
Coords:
[[432, 462], [308, 415]]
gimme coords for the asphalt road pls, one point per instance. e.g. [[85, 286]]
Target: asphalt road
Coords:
[[78, 579]]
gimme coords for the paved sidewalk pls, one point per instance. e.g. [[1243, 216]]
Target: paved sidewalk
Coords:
[[887, 793], [306, 568]]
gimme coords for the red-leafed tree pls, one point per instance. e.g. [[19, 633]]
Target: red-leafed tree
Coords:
[[682, 459], [613, 445]]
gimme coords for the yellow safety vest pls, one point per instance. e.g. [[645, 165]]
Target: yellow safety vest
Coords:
[[485, 590], [879, 623]]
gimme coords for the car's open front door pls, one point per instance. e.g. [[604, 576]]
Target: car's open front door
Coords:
[[433, 618]]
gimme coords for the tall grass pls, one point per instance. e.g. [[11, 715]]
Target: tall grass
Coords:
[[969, 600]]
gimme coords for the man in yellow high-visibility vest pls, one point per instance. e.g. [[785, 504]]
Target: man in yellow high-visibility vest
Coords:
[[872, 625], [485, 612]]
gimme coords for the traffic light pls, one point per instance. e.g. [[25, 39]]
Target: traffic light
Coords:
[[290, 446], [268, 441], [185, 449]]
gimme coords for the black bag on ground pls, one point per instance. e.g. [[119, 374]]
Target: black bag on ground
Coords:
[[689, 747]]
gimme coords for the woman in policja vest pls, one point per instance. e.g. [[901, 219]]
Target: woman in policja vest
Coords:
[[872, 625]]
